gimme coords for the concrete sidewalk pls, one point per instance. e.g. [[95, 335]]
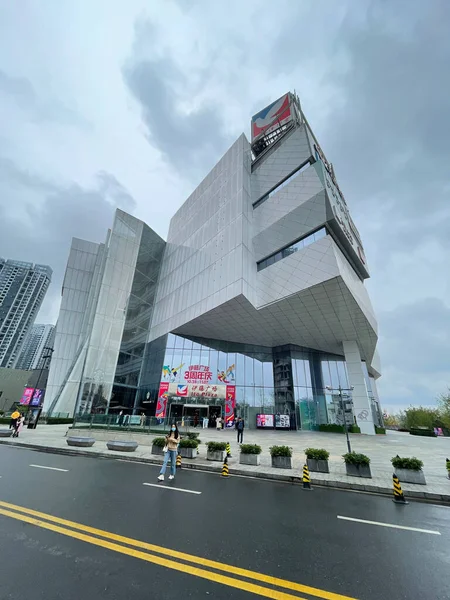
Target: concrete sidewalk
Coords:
[[433, 452]]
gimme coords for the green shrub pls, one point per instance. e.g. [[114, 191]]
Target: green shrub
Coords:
[[216, 446], [280, 451], [380, 430], [400, 462], [189, 443], [159, 442], [422, 431], [317, 454], [353, 458], [334, 428], [250, 449], [192, 435]]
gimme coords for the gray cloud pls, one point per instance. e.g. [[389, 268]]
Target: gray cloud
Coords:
[[23, 94], [190, 142], [51, 215]]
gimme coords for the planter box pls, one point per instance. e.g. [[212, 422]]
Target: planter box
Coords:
[[410, 476], [282, 462], [218, 456], [81, 442], [250, 459], [6, 432], [358, 470], [317, 466], [157, 450], [188, 452]]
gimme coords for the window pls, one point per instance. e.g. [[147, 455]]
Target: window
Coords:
[[281, 185], [299, 245]]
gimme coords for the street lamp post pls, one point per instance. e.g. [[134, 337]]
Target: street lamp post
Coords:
[[341, 402], [44, 364]]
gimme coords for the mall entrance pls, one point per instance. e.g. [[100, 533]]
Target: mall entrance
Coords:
[[192, 410]]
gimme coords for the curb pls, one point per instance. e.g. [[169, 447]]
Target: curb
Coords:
[[293, 479]]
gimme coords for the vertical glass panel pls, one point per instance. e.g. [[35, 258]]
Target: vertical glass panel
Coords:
[[171, 341], [326, 375], [240, 369], [187, 344], [222, 362], [267, 374], [257, 372], [342, 373], [332, 364], [187, 357], [179, 341], [249, 376], [231, 367], [213, 358]]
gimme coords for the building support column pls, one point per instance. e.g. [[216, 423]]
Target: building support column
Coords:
[[361, 402]]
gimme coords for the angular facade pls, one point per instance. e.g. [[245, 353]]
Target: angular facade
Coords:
[[260, 305], [22, 290]]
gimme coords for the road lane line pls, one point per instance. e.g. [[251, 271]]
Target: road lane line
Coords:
[[135, 462], [175, 489], [49, 468], [198, 560], [392, 525], [158, 560]]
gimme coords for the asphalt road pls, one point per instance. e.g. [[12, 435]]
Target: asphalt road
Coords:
[[273, 530]]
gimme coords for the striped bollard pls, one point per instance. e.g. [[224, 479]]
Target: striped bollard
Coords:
[[398, 498], [306, 478], [225, 470], [228, 448], [178, 461]]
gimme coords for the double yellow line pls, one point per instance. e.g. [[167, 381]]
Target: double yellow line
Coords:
[[129, 546]]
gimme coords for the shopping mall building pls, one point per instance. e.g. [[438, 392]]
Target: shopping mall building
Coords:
[[255, 305]]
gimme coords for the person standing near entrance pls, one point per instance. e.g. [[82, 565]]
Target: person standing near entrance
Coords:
[[218, 423], [240, 430], [172, 441]]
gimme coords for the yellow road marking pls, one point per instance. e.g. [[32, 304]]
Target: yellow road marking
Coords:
[[229, 569]]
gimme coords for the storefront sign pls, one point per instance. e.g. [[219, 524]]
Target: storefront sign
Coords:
[[195, 390], [282, 421], [31, 397], [198, 374], [230, 405], [163, 396], [264, 421]]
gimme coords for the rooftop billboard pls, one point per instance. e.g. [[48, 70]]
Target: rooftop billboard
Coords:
[[272, 117]]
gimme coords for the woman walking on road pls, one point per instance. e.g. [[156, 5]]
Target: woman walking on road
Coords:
[[172, 441]]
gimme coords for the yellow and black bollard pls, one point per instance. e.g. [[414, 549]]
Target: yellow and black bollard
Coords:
[[229, 450], [447, 465], [398, 498], [306, 478], [178, 461], [225, 470]]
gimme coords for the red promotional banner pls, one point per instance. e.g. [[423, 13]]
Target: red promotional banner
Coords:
[[163, 396], [230, 405]]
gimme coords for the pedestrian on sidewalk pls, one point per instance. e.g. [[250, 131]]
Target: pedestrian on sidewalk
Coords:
[[14, 417], [240, 430], [172, 441], [18, 426], [219, 423], [142, 419]]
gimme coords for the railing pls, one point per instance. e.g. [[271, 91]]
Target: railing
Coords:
[[133, 424]]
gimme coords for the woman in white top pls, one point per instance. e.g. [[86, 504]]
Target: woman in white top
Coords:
[[218, 423]]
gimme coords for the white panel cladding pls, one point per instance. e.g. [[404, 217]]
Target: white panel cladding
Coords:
[[356, 287], [279, 163], [361, 403], [75, 294], [209, 250], [299, 222], [311, 265]]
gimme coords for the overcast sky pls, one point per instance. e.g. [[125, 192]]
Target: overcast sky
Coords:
[[112, 103]]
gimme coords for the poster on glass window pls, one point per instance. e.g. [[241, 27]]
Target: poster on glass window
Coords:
[[282, 422], [264, 421]]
